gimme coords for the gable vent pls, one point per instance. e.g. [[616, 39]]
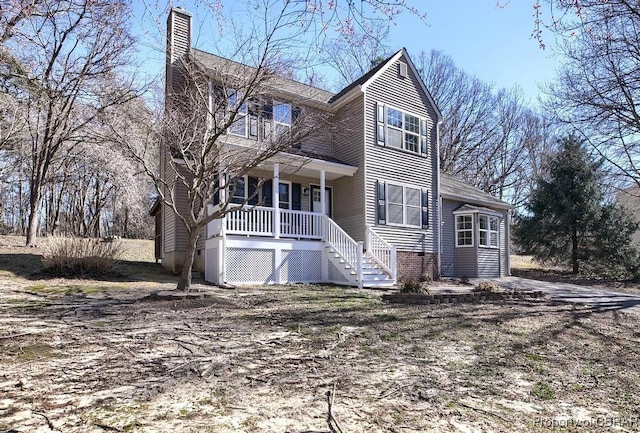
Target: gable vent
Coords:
[[402, 70]]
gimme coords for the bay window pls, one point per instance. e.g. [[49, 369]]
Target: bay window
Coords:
[[488, 231], [464, 230]]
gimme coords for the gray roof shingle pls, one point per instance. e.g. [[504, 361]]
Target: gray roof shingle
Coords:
[[453, 188]]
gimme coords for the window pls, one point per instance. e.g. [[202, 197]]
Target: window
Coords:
[[464, 230], [488, 231], [243, 188], [396, 128], [239, 125], [257, 118], [281, 117], [402, 205]]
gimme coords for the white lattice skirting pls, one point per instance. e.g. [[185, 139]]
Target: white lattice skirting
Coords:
[[269, 261]]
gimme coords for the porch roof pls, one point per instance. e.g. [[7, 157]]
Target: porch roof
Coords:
[[305, 164]]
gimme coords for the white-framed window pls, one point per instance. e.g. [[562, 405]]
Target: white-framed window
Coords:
[[401, 130], [282, 117], [405, 205], [240, 123], [258, 118], [464, 230], [488, 231], [243, 189], [237, 189]]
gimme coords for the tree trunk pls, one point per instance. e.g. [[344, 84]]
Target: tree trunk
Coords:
[[184, 282], [574, 251], [34, 205]]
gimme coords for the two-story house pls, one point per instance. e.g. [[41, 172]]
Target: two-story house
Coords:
[[367, 207]]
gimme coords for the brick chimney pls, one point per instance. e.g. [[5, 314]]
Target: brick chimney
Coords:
[[178, 45]]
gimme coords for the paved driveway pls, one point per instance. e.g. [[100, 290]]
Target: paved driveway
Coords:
[[601, 299]]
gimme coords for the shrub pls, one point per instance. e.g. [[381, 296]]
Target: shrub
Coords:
[[413, 285], [79, 257], [487, 286]]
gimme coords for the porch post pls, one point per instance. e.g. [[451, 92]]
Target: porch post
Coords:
[[360, 264], [276, 201], [222, 242], [323, 200]]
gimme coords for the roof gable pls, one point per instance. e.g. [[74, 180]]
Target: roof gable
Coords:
[[365, 81]]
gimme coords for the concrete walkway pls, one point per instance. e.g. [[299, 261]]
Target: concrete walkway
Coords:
[[600, 299]]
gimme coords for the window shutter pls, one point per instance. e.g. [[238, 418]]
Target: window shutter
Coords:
[[216, 194], [381, 200], [423, 136], [295, 114], [267, 193], [253, 186], [425, 209], [296, 196], [380, 112]]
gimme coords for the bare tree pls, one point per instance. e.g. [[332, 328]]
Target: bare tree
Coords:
[[70, 53], [597, 91], [355, 54]]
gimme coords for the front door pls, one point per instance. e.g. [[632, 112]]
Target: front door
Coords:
[[316, 205]]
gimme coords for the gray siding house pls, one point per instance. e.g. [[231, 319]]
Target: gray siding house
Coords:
[[368, 207]]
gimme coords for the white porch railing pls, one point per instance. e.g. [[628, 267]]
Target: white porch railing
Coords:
[[259, 221], [351, 251], [383, 253], [250, 221], [299, 224]]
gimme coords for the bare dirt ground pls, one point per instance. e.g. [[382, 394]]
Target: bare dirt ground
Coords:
[[97, 356]]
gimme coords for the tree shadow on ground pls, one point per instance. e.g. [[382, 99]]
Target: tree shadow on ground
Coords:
[[559, 276], [30, 267]]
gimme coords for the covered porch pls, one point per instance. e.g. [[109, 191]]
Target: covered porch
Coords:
[[293, 238]]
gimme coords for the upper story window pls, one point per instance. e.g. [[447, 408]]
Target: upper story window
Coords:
[[400, 129], [258, 118], [282, 116], [488, 231], [239, 125]]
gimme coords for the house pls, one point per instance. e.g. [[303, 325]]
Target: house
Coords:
[[367, 207]]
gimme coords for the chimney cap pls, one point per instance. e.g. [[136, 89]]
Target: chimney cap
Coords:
[[181, 10]]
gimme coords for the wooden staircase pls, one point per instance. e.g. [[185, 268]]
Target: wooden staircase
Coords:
[[372, 274]]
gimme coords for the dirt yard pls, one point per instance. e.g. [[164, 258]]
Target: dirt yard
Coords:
[[98, 356]]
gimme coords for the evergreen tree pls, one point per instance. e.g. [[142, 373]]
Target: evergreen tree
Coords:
[[564, 211]]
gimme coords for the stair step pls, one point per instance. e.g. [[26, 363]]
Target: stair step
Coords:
[[373, 284]]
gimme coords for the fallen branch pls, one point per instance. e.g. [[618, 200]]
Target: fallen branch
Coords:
[[49, 423], [395, 390], [107, 427], [334, 424], [8, 337], [488, 412]]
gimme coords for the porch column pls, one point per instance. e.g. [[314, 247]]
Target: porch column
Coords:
[[276, 201], [222, 240], [323, 199]]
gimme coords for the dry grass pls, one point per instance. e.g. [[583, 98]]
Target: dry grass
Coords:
[[526, 267], [93, 356]]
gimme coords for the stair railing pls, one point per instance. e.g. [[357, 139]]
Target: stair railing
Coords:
[[383, 253], [352, 252]]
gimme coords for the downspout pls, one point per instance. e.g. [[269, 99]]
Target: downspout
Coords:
[[439, 195], [508, 243]]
